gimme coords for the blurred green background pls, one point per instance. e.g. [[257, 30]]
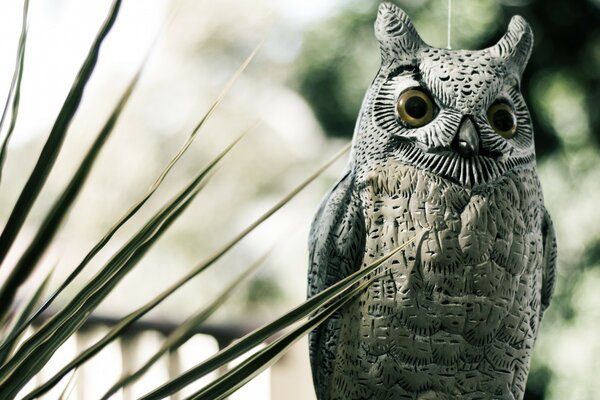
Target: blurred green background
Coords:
[[304, 88]]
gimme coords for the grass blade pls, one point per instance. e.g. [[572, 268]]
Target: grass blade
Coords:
[[203, 120], [176, 339], [26, 361], [61, 207], [14, 91], [208, 113], [161, 297], [254, 365], [136, 207], [16, 331], [69, 387], [225, 248], [218, 254], [50, 151], [36, 351], [183, 332], [261, 334], [120, 259]]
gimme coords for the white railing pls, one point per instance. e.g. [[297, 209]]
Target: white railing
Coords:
[[93, 379]]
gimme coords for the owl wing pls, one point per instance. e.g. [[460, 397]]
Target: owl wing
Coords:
[[336, 246], [548, 260]]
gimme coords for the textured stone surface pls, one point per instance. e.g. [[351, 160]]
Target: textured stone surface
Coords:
[[456, 316]]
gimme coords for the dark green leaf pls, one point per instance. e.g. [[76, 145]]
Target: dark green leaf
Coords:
[[16, 332], [37, 350], [183, 332], [55, 140], [234, 379], [60, 208], [138, 205], [58, 328], [14, 92], [258, 336], [68, 390], [177, 338], [31, 356]]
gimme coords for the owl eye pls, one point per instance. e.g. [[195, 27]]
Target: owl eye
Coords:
[[502, 118], [415, 108]]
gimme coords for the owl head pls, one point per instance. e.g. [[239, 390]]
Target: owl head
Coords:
[[456, 113]]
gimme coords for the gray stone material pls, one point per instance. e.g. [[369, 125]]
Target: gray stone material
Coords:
[[457, 315]]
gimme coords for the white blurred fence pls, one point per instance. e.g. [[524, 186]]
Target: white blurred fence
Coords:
[[130, 352]]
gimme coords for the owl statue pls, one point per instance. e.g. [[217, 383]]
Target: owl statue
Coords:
[[443, 151]]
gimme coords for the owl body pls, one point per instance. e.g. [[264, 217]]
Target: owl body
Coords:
[[441, 327], [455, 315]]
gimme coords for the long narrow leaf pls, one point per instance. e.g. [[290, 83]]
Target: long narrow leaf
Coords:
[[50, 151], [261, 334], [123, 256], [201, 267], [14, 92], [208, 113], [177, 338], [255, 364], [158, 299], [43, 343], [138, 205], [76, 320], [16, 332], [69, 387], [35, 352], [33, 355], [180, 335], [61, 207], [224, 249]]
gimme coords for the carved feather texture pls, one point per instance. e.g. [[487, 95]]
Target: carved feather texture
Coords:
[[457, 317]]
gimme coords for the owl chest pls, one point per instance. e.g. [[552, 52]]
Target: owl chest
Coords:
[[454, 312], [474, 238], [478, 260]]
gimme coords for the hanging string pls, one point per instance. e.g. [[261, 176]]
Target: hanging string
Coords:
[[449, 24]]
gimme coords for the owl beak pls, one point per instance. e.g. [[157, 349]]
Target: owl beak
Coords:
[[466, 141]]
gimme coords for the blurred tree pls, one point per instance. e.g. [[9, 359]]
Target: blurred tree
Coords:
[[334, 69]]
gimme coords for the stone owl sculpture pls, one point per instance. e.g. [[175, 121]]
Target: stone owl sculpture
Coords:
[[443, 151]]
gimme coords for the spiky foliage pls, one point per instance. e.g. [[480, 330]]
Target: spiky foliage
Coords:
[[21, 360]]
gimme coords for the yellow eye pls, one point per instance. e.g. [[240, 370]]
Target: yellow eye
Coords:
[[503, 119], [415, 108]]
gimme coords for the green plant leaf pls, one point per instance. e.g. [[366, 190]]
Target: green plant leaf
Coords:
[[186, 330], [256, 337], [61, 207], [151, 191], [52, 147], [69, 387], [176, 339], [237, 377], [33, 354], [138, 205], [14, 91], [38, 349], [16, 332], [202, 266]]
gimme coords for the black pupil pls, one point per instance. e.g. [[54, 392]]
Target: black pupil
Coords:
[[503, 120], [416, 107]]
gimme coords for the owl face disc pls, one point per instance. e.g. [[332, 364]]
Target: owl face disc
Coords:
[[450, 92]]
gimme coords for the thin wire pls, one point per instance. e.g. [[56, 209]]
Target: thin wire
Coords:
[[449, 23]]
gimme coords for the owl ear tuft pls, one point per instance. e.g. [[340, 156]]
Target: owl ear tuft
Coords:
[[398, 38], [515, 46]]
